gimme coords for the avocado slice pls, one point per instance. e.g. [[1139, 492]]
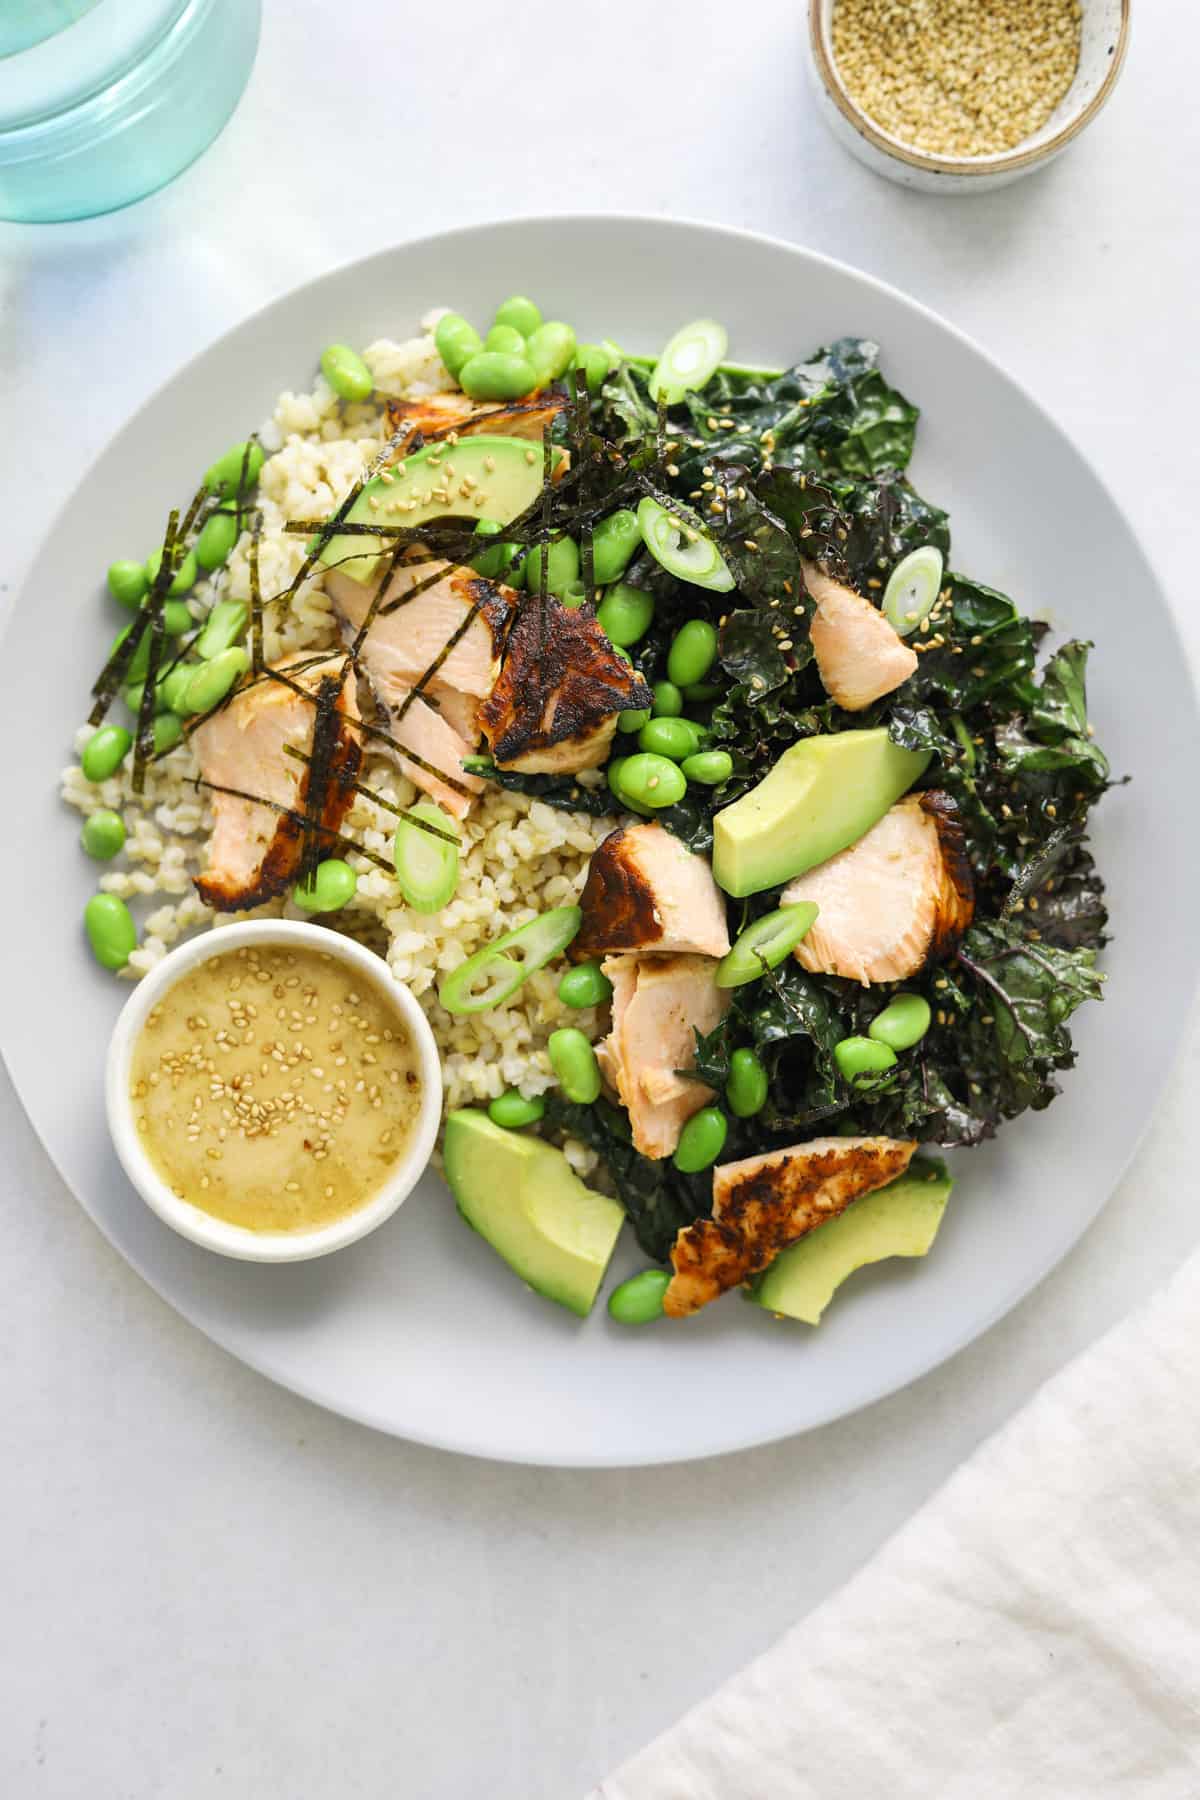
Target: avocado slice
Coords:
[[480, 477], [523, 1196], [820, 797], [901, 1219]]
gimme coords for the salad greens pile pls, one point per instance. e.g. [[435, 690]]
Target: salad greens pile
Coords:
[[811, 463]]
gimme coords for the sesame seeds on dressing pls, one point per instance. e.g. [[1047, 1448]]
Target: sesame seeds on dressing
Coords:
[[957, 77], [271, 1090]]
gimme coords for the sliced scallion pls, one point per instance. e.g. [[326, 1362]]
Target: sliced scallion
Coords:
[[683, 547], [494, 974], [689, 360], [764, 944], [425, 853], [913, 587]]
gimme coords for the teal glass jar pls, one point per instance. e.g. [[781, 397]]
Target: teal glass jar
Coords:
[[102, 101]]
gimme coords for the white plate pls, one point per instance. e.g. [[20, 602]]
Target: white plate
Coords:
[[421, 1331]]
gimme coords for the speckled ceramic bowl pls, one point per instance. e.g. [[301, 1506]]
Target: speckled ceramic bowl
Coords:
[[1102, 50]]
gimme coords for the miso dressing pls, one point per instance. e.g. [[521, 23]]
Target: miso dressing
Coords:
[[274, 1088]]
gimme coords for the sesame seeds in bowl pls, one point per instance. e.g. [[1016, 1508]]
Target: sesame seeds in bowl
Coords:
[[963, 95]]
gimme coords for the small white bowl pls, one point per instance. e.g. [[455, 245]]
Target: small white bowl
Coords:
[[1105, 32], [218, 1234]]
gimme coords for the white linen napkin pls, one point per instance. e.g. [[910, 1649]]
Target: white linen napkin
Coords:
[[1033, 1631]]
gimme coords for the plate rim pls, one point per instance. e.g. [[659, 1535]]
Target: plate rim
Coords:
[[1062, 1243]]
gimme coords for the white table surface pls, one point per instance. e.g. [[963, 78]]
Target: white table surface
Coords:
[[209, 1588]]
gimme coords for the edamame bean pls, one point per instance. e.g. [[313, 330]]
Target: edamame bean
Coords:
[[457, 341], [513, 1110], [614, 541], [110, 929], [176, 618], [331, 886], [902, 1023], [626, 614], [585, 985], [103, 834], [675, 738], [597, 364], [693, 652], [614, 784], [574, 595], [519, 312], [639, 1299], [183, 578], [140, 662], [347, 373], [856, 1056], [574, 1062], [211, 681], [701, 1141], [652, 780], [562, 566], [668, 701], [236, 471], [132, 696], [633, 718], [746, 1087], [699, 693], [550, 349], [506, 338], [127, 583], [174, 687], [218, 534], [709, 767], [168, 729], [222, 628], [497, 375], [104, 752], [494, 563]]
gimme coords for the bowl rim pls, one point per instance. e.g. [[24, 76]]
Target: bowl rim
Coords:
[[207, 1229], [1009, 161]]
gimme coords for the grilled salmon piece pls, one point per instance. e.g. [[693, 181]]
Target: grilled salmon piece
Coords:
[[645, 890], [438, 629], [554, 707], [658, 1005], [435, 415], [860, 656], [901, 897], [254, 852], [764, 1203]]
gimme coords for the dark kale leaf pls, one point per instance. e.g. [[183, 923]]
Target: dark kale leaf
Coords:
[[658, 1200], [562, 791]]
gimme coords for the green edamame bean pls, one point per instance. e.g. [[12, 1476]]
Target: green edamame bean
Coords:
[[222, 628], [652, 780], [176, 618], [562, 566], [585, 985], [701, 1141], [639, 1299], [347, 373], [626, 614], [746, 1087], [614, 541], [709, 767], [236, 471], [550, 349], [140, 662], [497, 375], [693, 652], [857, 1056], [127, 583], [675, 738], [574, 1062], [618, 793], [168, 730], [902, 1023], [519, 312], [104, 752], [699, 693], [174, 686], [574, 595], [668, 701], [457, 341], [218, 534], [633, 718], [331, 886], [111, 931], [103, 834], [506, 338], [132, 696], [597, 364], [183, 578], [495, 562], [211, 681], [513, 1110]]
